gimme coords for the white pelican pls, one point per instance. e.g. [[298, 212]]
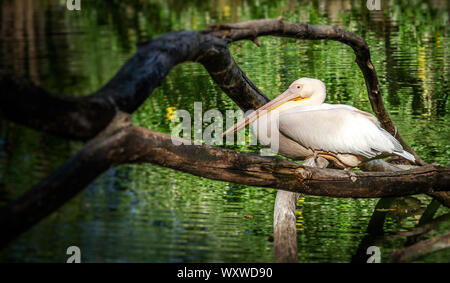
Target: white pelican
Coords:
[[308, 127]]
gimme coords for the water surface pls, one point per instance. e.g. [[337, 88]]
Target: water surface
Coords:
[[145, 213]]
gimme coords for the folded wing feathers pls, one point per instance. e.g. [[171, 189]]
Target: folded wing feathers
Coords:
[[339, 129]]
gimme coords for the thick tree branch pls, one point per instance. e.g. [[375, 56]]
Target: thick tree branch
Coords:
[[102, 116], [374, 229], [249, 169], [28, 104], [147, 68], [285, 220], [285, 227], [124, 143], [276, 27], [83, 118]]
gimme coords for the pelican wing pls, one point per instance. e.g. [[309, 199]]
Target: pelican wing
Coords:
[[339, 129]]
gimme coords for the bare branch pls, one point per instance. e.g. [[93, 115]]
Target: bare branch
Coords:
[[26, 103], [276, 27], [124, 143], [103, 117], [147, 68], [285, 227], [421, 229], [422, 248], [83, 118], [285, 220]]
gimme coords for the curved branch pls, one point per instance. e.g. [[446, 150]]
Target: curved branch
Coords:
[[148, 67], [276, 27], [117, 141], [421, 229], [254, 170], [124, 143], [143, 72], [422, 248], [83, 118], [28, 104]]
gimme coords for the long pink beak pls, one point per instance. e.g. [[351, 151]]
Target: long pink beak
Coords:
[[282, 98]]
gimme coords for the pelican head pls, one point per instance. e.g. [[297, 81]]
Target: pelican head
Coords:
[[309, 88], [307, 91]]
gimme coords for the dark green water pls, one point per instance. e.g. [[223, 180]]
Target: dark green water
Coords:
[[147, 213]]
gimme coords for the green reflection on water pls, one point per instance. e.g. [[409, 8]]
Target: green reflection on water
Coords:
[[147, 213]]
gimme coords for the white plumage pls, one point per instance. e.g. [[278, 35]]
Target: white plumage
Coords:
[[338, 129], [307, 126]]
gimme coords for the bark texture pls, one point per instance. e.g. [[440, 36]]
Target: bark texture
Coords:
[[102, 119]]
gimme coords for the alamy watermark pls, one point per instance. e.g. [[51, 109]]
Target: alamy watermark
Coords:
[[375, 254], [75, 254], [73, 5], [187, 127], [373, 5]]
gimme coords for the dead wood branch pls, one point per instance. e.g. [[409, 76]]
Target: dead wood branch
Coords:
[[421, 229], [285, 220], [422, 248], [124, 143], [277, 27], [103, 117], [285, 227], [83, 118]]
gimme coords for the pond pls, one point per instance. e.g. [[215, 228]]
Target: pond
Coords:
[[146, 213]]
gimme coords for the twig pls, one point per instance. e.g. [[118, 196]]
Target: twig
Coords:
[[422, 248]]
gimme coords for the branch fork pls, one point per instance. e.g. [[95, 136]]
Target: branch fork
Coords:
[[102, 119]]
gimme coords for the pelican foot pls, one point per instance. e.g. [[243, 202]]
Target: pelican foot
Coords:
[[318, 162]]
